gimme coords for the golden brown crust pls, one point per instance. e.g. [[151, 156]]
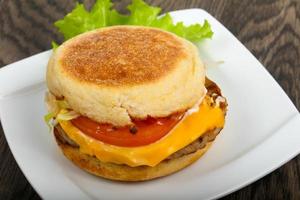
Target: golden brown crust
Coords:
[[132, 72], [126, 173], [122, 55]]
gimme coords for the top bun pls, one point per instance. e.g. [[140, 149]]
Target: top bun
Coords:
[[114, 74]]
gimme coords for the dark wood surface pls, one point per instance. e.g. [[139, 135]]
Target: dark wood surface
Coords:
[[270, 29]]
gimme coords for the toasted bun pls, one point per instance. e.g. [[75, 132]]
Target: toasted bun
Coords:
[[126, 173], [114, 74]]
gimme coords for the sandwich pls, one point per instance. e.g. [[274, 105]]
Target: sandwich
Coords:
[[132, 103]]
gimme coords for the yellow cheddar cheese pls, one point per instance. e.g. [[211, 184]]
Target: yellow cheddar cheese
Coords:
[[190, 128]]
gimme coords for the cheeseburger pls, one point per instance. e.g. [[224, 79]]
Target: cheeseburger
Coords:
[[132, 103]]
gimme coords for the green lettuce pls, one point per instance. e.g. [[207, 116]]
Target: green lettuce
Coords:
[[54, 45], [80, 20], [63, 113], [67, 115], [48, 118]]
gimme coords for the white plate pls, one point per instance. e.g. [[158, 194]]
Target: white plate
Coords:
[[261, 131]]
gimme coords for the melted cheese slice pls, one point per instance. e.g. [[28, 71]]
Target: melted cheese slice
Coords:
[[186, 131]]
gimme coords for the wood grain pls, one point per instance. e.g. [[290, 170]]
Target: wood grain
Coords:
[[270, 29]]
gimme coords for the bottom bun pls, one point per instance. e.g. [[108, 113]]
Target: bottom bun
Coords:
[[126, 173]]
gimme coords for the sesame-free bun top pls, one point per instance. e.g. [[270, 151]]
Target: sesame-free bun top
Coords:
[[114, 74]]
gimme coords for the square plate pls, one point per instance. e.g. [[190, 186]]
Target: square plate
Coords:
[[261, 131]]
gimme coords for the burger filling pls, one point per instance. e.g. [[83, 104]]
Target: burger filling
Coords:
[[148, 142], [198, 144]]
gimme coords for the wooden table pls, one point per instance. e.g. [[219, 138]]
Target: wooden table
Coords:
[[270, 29]]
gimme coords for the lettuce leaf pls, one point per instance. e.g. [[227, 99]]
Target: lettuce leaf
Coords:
[[54, 45], [141, 13], [62, 114], [48, 118], [66, 115], [194, 32], [63, 104], [80, 20]]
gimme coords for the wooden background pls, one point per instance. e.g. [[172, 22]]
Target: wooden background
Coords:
[[270, 29]]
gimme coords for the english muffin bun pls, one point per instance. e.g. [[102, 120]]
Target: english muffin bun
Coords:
[[117, 73]]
